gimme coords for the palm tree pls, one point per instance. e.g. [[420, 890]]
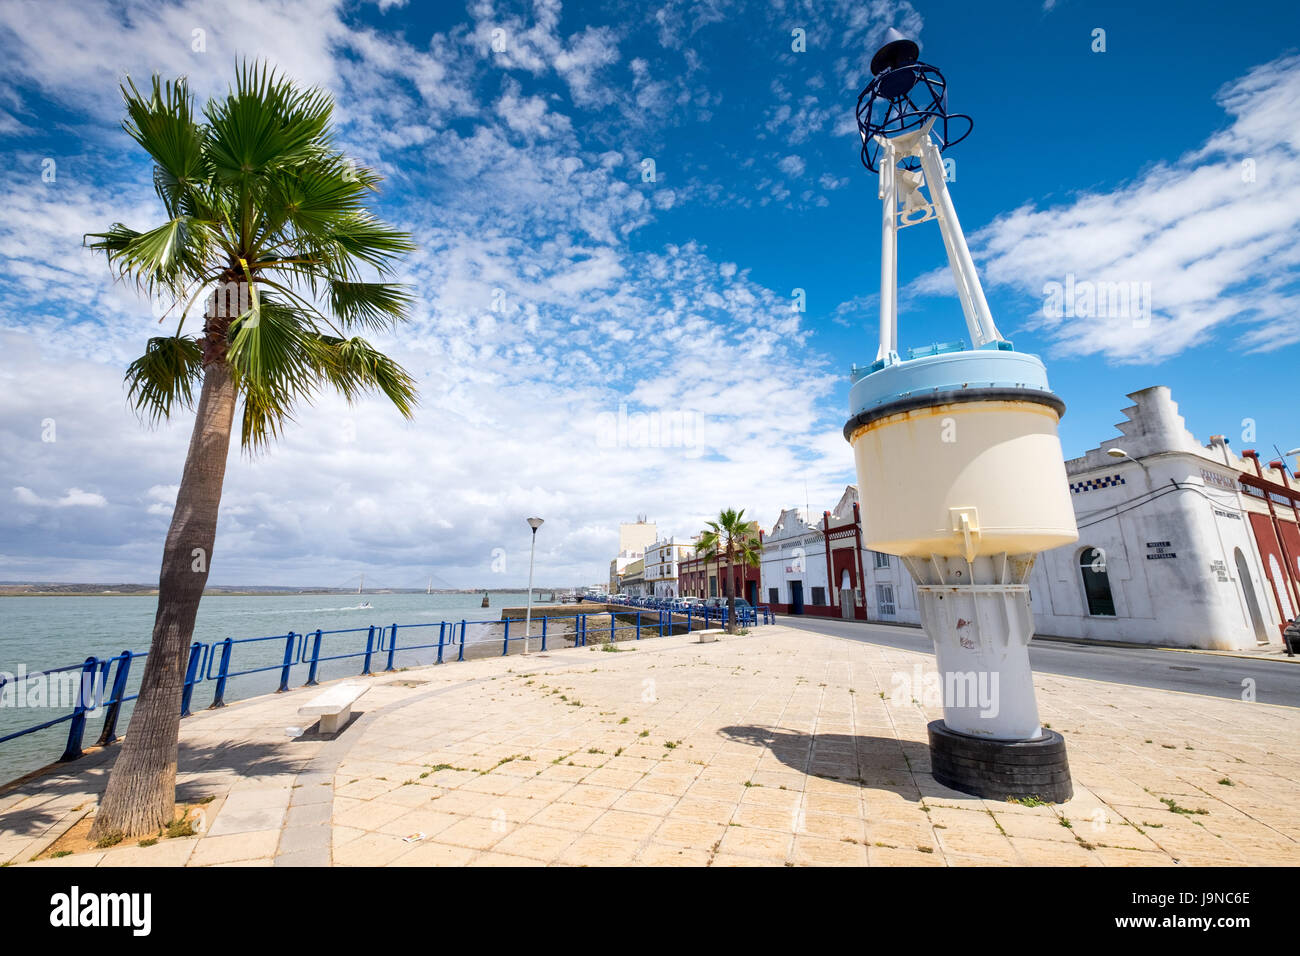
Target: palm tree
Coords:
[[732, 537], [267, 227]]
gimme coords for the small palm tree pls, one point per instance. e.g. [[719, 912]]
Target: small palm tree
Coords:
[[733, 538], [267, 227]]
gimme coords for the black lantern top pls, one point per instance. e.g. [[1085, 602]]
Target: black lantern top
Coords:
[[902, 95]]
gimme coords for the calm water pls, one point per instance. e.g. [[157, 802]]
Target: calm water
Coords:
[[43, 632]]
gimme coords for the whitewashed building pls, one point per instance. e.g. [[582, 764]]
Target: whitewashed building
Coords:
[[1179, 543], [663, 564], [823, 569]]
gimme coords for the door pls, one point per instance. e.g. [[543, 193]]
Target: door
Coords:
[[848, 609], [796, 597], [1252, 601]]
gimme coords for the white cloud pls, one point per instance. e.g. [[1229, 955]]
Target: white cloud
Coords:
[[74, 498]]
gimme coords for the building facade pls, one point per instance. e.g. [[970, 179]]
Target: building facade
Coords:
[[1179, 543], [824, 569], [663, 566], [704, 577]]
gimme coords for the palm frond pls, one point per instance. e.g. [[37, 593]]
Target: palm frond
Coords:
[[355, 367], [163, 257], [164, 377], [269, 356], [265, 123], [163, 124], [375, 305]]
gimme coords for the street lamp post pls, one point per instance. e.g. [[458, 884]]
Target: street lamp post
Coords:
[[533, 523]]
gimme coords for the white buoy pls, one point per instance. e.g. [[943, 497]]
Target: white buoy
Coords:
[[960, 470]]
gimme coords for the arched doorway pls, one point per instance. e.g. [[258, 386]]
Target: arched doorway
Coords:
[[1252, 602], [1096, 582]]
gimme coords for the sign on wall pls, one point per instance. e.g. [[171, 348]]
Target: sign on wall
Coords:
[[1159, 549]]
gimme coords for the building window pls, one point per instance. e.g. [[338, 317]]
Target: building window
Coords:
[[882, 560], [1096, 583], [773, 595], [713, 586], [819, 596], [885, 600]]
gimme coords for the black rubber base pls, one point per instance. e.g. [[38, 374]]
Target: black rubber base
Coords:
[[1001, 769]]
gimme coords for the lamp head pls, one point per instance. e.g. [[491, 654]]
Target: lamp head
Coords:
[[1117, 452], [535, 523], [1293, 451]]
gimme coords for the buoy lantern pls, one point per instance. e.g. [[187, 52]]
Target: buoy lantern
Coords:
[[960, 470]]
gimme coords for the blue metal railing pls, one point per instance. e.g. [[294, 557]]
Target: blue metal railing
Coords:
[[212, 662]]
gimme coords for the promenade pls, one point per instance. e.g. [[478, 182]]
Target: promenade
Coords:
[[780, 747]]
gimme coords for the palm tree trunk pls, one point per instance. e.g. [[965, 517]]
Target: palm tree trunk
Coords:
[[731, 597], [141, 794]]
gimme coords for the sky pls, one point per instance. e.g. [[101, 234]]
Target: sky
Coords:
[[648, 255]]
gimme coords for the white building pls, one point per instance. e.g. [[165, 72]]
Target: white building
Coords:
[[798, 568], [662, 565], [1177, 545]]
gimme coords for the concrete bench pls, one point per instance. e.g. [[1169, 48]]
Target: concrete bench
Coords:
[[334, 707], [709, 635]]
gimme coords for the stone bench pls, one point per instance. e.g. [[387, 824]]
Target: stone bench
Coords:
[[334, 706], [709, 635]]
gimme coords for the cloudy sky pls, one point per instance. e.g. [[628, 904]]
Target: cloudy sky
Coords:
[[635, 221]]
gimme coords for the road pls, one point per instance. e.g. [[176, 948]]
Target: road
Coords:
[[1212, 675]]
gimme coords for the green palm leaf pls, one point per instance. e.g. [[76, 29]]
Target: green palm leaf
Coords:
[[163, 378]]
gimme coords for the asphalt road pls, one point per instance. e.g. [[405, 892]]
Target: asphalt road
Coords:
[[1276, 682]]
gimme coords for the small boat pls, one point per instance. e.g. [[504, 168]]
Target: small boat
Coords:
[[363, 605], [485, 599]]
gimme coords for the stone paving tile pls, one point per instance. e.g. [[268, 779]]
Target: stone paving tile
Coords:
[[772, 749]]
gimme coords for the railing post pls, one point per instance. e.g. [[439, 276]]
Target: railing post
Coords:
[[688, 621], [543, 635], [638, 625], [461, 655], [288, 663], [612, 619], [219, 697], [188, 693], [77, 726], [392, 645], [315, 659], [505, 648], [114, 706], [442, 631], [370, 650]]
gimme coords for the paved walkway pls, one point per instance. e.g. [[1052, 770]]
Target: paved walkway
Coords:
[[780, 747]]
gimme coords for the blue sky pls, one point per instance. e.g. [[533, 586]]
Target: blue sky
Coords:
[[558, 288]]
